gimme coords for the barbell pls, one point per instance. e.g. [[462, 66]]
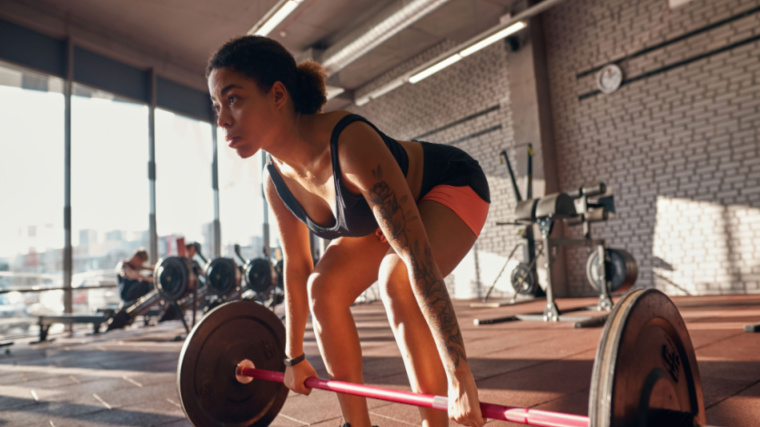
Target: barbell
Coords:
[[645, 372]]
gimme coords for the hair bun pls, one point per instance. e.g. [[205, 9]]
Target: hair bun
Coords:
[[311, 93]]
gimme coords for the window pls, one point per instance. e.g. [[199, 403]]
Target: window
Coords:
[[109, 190], [32, 188], [184, 197]]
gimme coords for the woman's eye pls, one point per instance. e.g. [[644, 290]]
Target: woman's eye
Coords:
[[231, 99]]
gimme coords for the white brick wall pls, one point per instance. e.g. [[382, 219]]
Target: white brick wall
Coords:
[[681, 148]]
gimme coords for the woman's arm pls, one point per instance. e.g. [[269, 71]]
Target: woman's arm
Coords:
[[369, 166], [297, 265]]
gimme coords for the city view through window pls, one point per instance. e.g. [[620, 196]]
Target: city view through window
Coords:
[[110, 194]]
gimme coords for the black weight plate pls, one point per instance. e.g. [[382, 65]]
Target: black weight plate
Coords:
[[522, 279], [173, 278], [621, 270], [258, 274], [645, 371], [209, 393], [222, 276]]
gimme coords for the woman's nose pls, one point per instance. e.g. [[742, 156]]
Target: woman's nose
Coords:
[[224, 119]]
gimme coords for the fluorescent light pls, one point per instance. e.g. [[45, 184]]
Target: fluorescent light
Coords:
[[361, 101], [435, 68], [517, 26], [276, 18], [382, 90]]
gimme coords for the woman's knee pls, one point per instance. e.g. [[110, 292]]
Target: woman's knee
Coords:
[[393, 280], [325, 297]]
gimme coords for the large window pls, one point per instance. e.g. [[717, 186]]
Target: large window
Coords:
[[32, 189], [185, 200], [109, 189], [241, 202]]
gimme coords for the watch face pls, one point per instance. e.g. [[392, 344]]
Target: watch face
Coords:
[[609, 78]]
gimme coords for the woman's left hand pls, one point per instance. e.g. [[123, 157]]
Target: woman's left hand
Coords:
[[464, 405]]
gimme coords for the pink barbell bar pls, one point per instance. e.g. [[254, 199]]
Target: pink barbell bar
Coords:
[[533, 417]]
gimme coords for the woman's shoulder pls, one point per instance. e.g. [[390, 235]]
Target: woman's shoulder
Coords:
[[334, 118]]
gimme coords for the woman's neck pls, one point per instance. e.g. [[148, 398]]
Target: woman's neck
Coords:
[[299, 144]]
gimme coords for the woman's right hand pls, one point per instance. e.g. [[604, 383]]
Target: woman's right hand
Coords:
[[296, 376]]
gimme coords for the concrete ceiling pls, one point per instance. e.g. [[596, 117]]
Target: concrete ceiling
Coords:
[[181, 34]]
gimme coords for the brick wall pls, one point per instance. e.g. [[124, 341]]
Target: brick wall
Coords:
[[678, 141], [679, 144]]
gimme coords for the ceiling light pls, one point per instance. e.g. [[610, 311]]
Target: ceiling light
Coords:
[[361, 101], [474, 47], [517, 26], [427, 72], [274, 17], [382, 90], [384, 25]]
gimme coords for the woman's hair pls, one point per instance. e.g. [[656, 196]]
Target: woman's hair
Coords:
[[267, 62]]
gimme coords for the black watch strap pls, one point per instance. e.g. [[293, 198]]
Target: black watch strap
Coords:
[[294, 361]]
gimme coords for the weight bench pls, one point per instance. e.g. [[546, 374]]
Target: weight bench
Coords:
[[45, 321]]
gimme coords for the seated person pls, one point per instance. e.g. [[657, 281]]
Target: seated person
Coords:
[[190, 252], [129, 275]]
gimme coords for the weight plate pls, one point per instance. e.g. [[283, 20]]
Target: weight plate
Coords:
[[645, 371], [222, 276], [621, 270], [258, 274], [174, 277], [209, 393], [523, 281]]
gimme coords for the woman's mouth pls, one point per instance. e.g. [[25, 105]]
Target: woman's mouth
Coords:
[[233, 141]]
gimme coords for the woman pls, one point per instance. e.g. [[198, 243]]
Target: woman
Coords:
[[397, 212]]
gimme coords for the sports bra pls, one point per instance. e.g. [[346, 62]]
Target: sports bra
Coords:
[[354, 216], [442, 165]]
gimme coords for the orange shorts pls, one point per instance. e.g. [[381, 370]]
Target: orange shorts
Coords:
[[464, 201]]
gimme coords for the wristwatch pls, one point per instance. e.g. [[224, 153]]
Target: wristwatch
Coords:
[[294, 361]]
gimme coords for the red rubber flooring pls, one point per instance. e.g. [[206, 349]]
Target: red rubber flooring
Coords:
[[128, 377]]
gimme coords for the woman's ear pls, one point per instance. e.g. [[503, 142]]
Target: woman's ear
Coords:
[[279, 93]]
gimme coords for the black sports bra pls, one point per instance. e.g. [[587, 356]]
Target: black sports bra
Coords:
[[354, 216]]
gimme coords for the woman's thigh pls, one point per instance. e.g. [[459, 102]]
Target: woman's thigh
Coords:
[[450, 237], [347, 268]]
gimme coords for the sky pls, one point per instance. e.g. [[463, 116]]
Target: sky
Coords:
[[110, 187]]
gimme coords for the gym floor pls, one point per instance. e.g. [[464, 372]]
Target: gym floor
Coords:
[[128, 377]]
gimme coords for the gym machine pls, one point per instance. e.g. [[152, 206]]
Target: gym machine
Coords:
[[262, 279], [173, 281], [608, 270]]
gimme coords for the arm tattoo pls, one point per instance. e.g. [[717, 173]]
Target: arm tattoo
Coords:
[[429, 289]]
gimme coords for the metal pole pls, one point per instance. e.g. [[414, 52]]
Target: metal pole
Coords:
[[266, 209], [152, 227], [216, 247], [68, 256]]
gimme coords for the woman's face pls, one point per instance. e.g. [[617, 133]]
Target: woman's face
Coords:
[[243, 110]]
